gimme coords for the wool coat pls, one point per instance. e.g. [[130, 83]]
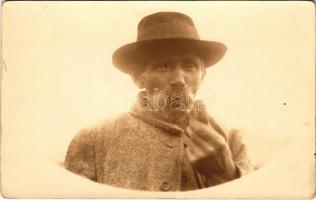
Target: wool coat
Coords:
[[137, 151]]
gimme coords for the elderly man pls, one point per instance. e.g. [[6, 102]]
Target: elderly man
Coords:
[[168, 141]]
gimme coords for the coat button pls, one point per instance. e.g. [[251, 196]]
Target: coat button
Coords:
[[165, 186], [169, 145]]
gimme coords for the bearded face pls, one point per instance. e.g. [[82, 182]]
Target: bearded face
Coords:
[[172, 81]]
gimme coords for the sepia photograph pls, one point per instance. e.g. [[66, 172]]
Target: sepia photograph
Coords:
[[158, 99]]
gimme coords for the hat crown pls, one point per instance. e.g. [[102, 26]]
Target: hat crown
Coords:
[[161, 33], [164, 25]]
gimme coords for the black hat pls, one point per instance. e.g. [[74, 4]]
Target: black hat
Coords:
[[165, 32]]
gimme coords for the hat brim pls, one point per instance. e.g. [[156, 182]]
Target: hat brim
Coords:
[[134, 56]]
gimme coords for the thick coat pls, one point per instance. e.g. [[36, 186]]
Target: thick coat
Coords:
[[139, 152]]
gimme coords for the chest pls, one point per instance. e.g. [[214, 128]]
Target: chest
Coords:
[[144, 157]]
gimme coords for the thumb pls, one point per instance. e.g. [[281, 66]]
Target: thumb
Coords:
[[199, 111]]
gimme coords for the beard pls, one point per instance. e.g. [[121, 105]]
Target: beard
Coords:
[[172, 100]]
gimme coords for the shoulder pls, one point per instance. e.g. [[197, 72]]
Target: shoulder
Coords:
[[93, 137], [104, 128]]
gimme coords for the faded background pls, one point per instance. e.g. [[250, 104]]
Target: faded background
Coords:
[[58, 77]]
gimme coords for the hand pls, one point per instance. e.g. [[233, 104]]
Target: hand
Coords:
[[207, 149]]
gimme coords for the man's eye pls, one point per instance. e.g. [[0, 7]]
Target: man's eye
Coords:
[[163, 67], [190, 66]]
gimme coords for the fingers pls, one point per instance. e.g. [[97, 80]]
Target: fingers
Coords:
[[196, 142], [199, 131], [217, 127], [201, 126], [194, 153], [202, 112], [193, 156], [199, 111]]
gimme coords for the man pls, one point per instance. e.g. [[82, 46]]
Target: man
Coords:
[[168, 141]]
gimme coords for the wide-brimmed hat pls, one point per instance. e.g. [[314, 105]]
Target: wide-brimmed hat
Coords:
[[164, 33]]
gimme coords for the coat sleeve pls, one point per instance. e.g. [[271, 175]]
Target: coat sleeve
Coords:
[[239, 155], [237, 147], [80, 157]]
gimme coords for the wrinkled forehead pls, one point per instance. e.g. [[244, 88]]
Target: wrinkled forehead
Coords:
[[174, 57]]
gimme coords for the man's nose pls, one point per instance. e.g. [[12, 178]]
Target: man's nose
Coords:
[[177, 78]]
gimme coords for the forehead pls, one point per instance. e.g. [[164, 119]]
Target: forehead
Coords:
[[175, 57]]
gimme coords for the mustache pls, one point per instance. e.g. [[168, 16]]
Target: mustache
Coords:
[[163, 100], [175, 95], [171, 91]]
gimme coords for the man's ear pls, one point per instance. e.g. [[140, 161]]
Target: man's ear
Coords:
[[203, 73], [139, 80], [203, 68]]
